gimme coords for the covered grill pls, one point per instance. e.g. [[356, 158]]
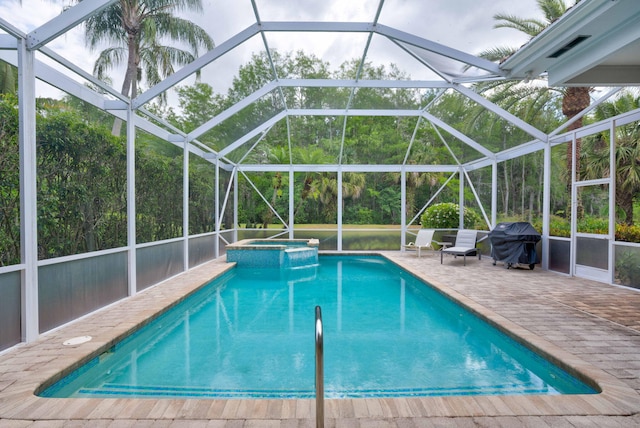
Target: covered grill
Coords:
[[514, 243]]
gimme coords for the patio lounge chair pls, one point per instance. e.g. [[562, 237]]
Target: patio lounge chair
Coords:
[[465, 244], [424, 240]]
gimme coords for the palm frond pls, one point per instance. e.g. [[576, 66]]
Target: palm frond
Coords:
[[183, 31], [105, 27], [108, 59], [531, 27], [552, 9], [498, 53]]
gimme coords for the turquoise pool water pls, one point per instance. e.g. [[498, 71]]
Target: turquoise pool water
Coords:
[[250, 334]]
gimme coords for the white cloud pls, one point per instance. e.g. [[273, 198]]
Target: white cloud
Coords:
[[466, 25]]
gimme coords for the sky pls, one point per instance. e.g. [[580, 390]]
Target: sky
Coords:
[[466, 25]]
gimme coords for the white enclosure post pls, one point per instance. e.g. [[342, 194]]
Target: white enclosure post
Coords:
[[28, 193], [292, 211], [574, 207], [185, 203], [612, 202], [235, 204], [403, 207], [546, 206], [461, 199], [216, 192], [339, 205], [494, 194], [131, 199]]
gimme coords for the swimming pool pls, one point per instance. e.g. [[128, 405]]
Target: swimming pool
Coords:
[[249, 334]]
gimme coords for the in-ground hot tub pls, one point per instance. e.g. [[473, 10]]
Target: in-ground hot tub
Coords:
[[277, 253]]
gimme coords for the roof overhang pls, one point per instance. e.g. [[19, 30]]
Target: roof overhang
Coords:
[[595, 43]]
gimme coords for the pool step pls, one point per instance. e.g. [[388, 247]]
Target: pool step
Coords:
[[119, 390]]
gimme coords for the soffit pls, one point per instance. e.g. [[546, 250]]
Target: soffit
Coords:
[[596, 43]]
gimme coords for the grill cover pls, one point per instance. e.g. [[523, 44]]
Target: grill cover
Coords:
[[514, 243]]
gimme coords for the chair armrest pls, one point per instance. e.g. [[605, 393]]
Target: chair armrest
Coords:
[[443, 245]]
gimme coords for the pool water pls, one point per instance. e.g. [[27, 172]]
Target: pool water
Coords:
[[250, 334]]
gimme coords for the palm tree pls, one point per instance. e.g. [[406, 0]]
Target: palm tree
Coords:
[[135, 30], [575, 99], [353, 184]]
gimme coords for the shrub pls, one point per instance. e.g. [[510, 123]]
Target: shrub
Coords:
[[596, 225], [446, 215], [558, 226], [364, 216], [628, 268], [627, 233], [561, 227]]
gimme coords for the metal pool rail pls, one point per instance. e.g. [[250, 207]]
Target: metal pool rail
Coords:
[[319, 370]]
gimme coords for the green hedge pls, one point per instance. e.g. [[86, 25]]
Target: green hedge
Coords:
[[446, 216], [561, 227]]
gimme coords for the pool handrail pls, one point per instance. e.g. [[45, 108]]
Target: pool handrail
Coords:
[[319, 370]]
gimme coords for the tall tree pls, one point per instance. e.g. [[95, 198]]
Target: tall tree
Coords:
[[575, 99], [134, 31], [9, 181]]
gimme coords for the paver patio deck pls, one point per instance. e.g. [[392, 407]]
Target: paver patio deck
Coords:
[[593, 327]]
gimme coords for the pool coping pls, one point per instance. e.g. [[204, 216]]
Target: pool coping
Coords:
[[27, 367]]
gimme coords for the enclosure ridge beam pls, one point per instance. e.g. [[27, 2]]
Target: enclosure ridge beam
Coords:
[[392, 33], [317, 26], [346, 168], [353, 112], [196, 65], [63, 22], [352, 83]]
